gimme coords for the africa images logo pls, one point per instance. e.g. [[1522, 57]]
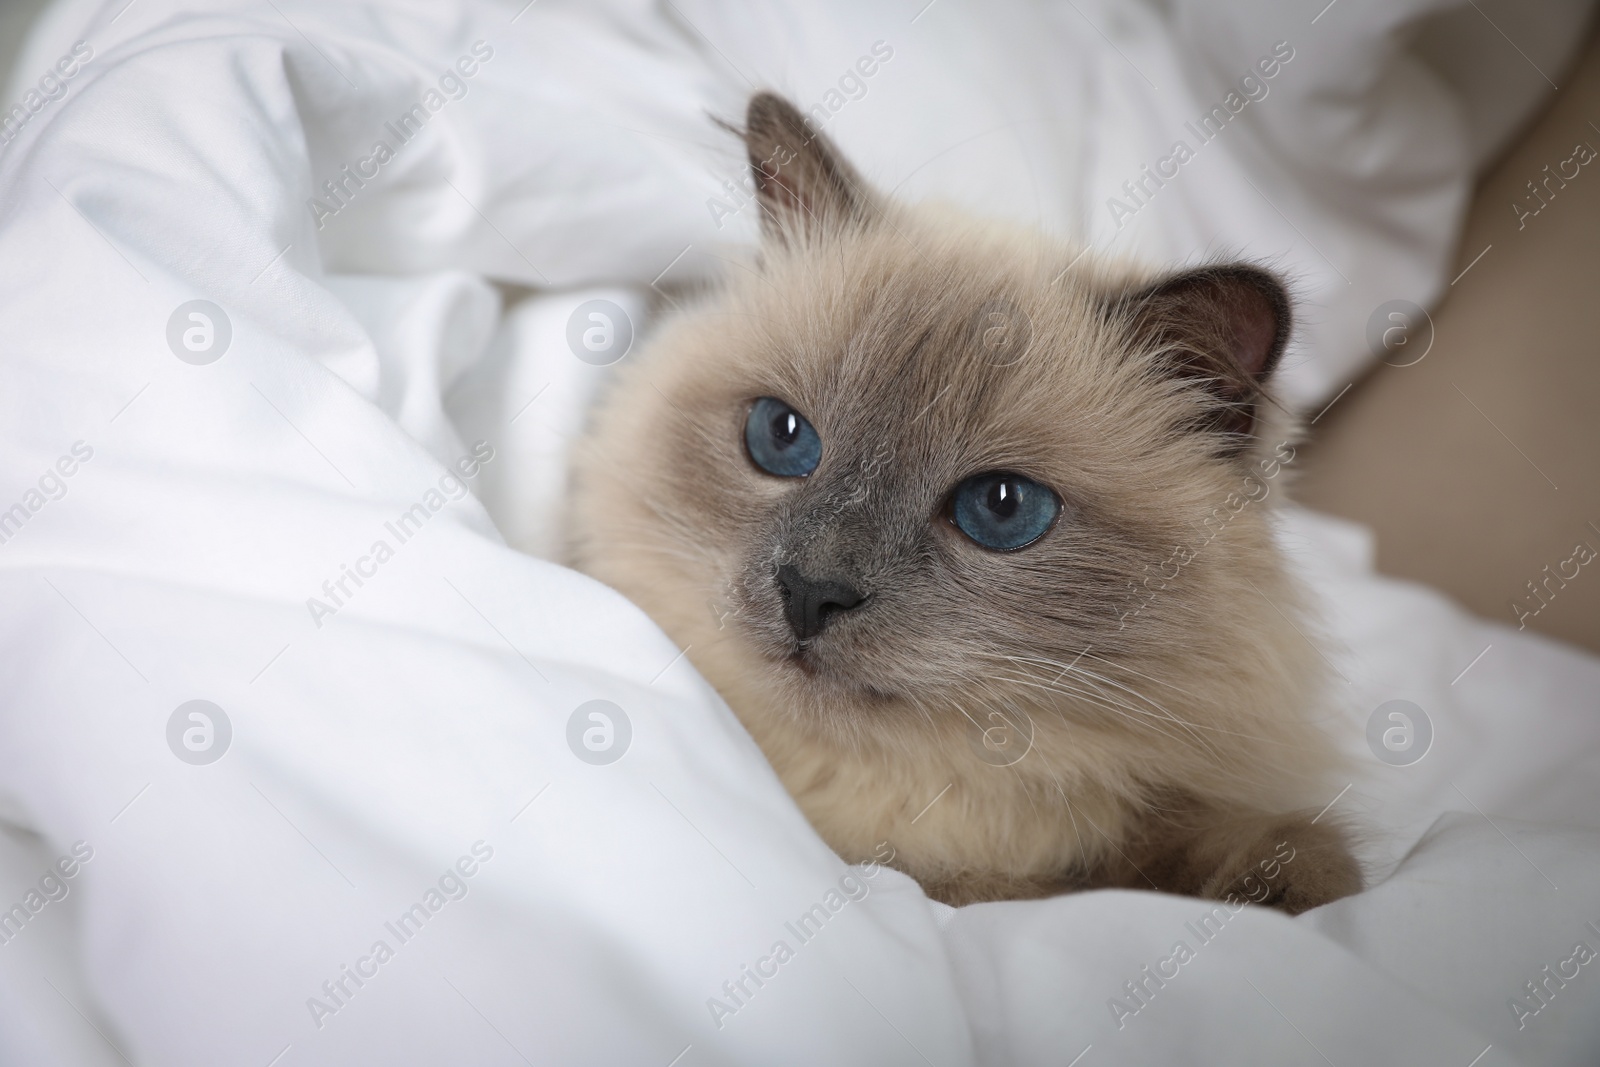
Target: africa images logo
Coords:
[[599, 732]]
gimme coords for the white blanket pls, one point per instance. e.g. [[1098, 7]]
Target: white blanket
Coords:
[[389, 834]]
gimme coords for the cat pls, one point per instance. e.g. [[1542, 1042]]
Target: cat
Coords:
[[946, 511]]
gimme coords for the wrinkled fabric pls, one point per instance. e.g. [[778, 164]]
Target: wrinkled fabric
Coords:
[[195, 496]]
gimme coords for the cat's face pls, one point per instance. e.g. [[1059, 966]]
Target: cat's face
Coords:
[[915, 465]]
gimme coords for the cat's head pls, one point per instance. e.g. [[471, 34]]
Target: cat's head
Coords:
[[911, 463]]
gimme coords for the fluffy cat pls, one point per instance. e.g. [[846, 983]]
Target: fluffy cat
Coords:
[[963, 524]]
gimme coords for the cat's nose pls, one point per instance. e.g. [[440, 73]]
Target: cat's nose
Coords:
[[811, 603]]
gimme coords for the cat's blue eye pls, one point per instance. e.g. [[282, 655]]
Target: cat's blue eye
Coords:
[[780, 440], [1003, 511]]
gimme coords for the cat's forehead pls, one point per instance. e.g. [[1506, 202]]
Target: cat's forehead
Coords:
[[988, 336]]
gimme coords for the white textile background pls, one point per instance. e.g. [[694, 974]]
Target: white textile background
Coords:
[[426, 719]]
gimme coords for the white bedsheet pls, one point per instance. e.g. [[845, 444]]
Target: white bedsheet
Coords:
[[407, 743]]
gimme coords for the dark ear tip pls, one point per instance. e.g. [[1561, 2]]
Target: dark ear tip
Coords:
[[1250, 303], [767, 110], [1270, 287], [763, 101], [1249, 276], [1277, 312]]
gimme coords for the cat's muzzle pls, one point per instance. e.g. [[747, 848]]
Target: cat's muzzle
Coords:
[[810, 604]]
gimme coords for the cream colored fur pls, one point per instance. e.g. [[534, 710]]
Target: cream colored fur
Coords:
[[1179, 734]]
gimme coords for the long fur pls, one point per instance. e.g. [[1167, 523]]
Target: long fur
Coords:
[[1165, 722]]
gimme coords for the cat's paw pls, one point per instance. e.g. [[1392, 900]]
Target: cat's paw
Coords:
[[1294, 867]]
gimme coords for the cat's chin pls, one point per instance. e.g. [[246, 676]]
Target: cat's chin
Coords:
[[804, 670]]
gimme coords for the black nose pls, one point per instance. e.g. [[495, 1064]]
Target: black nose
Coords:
[[810, 603]]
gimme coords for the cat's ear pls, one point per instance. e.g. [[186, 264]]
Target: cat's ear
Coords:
[[804, 186], [1223, 327]]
